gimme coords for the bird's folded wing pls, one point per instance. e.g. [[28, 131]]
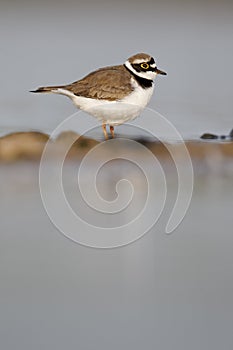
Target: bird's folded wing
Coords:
[[105, 84]]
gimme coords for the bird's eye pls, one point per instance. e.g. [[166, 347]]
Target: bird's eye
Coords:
[[145, 65]]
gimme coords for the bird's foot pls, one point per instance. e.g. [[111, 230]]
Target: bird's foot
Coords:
[[105, 131], [112, 131]]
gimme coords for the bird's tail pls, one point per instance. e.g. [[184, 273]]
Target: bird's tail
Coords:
[[47, 89]]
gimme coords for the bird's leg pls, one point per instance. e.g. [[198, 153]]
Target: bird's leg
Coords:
[[112, 131], [105, 131]]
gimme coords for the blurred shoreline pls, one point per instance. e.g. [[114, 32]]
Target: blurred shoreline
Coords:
[[30, 145]]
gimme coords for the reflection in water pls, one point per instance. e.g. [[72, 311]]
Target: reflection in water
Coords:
[[150, 292]]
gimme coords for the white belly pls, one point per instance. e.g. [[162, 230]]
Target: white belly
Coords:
[[111, 112]]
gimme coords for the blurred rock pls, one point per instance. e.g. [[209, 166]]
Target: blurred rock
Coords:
[[68, 137], [208, 136], [22, 145], [76, 145]]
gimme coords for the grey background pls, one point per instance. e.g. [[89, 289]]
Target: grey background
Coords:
[[162, 291], [55, 42]]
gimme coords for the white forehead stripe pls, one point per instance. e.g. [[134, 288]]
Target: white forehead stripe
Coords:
[[140, 60]]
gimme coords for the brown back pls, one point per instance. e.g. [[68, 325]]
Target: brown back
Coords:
[[106, 83]]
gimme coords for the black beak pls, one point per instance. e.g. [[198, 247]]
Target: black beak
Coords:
[[158, 71]]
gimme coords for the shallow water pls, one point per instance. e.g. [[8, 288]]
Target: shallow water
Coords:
[[162, 290]]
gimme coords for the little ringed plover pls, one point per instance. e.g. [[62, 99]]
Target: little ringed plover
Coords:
[[113, 94]]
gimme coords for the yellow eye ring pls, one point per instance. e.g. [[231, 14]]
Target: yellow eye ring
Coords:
[[145, 65]]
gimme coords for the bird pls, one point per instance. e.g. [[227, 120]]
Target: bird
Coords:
[[113, 94]]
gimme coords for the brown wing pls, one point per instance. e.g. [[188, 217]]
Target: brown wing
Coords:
[[105, 84]]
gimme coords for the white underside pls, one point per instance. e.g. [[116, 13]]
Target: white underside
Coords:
[[111, 112]]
